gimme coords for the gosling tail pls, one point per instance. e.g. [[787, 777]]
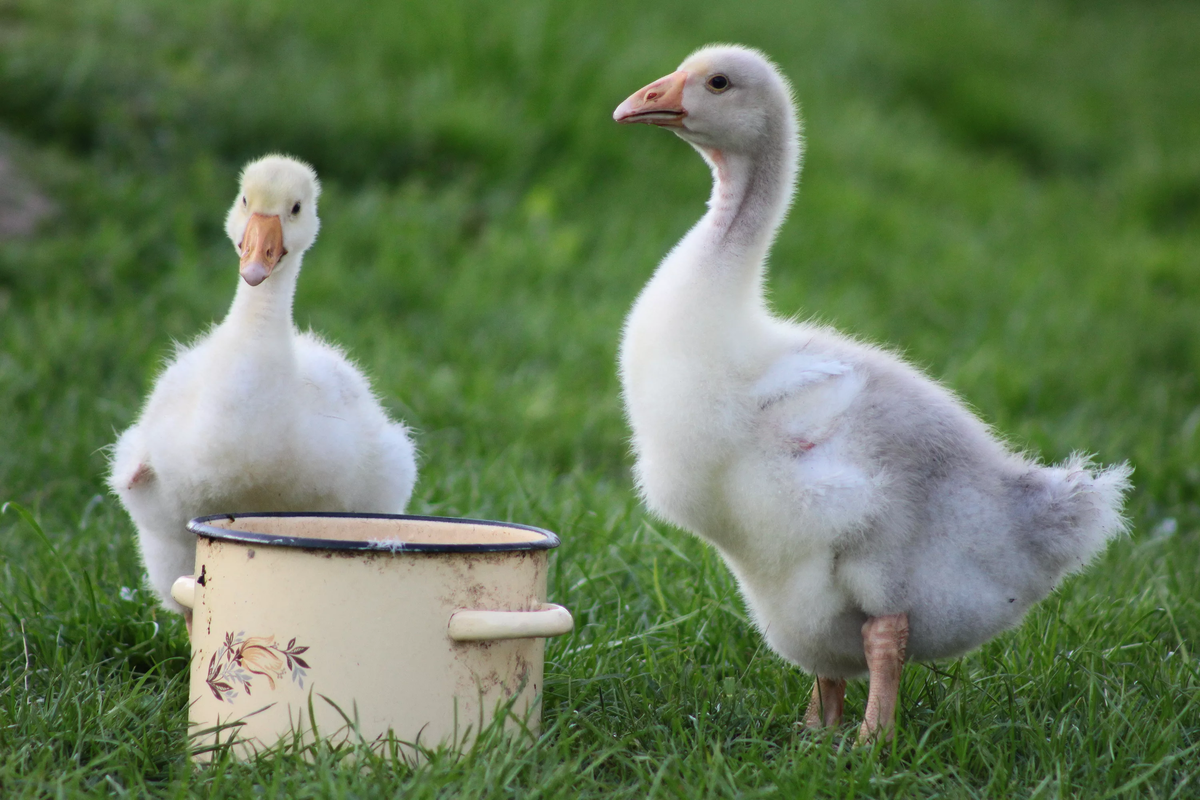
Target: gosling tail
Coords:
[[1076, 511]]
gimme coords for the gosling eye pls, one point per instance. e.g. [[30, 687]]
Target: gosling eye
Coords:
[[243, 201], [717, 83], [296, 208]]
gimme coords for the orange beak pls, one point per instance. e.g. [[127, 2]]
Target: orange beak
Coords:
[[262, 247], [660, 103]]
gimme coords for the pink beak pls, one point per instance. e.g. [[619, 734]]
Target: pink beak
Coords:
[[660, 103]]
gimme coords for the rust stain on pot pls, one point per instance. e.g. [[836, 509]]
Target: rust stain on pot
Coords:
[[476, 578], [495, 676], [518, 676], [325, 552]]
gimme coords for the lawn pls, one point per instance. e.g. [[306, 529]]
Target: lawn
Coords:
[[1008, 192]]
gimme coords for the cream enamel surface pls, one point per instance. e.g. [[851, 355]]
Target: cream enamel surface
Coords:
[[549, 619], [376, 628]]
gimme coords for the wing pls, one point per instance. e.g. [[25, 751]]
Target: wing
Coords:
[[805, 395], [793, 373], [131, 467]]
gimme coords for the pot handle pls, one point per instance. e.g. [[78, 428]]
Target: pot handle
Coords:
[[184, 591], [471, 625]]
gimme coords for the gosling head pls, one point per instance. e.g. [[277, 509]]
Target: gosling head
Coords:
[[723, 97], [274, 218]]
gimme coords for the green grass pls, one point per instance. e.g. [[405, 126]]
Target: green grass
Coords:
[[1009, 192]]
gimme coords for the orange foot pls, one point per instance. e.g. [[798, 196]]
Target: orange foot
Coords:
[[828, 700], [884, 642]]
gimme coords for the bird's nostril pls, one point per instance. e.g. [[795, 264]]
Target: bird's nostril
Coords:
[[651, 95]]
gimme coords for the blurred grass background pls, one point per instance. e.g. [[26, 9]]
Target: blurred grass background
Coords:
[[1009, 192]]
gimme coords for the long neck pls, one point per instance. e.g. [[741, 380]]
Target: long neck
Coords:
[[723, 256], [752, 191], [264, 313]]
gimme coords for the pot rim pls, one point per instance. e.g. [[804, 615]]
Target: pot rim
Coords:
[[201, 527]]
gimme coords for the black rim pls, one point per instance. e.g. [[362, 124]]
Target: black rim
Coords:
[[201, 527]]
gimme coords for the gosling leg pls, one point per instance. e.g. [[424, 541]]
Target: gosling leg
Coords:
[[884, 642], [828, 700]]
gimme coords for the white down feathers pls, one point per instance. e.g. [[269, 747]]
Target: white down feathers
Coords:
[[837, 481], [255, 415]]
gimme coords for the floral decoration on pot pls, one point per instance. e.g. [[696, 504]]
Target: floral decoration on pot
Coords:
[[241, 658]]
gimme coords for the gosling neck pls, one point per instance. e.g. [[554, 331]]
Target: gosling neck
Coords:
[[752, 191], [267, 308]]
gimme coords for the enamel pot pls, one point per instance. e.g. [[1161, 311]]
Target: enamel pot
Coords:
[[370, 626]]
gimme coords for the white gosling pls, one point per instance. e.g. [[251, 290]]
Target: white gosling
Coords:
[[255, 415], [867, 515]]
